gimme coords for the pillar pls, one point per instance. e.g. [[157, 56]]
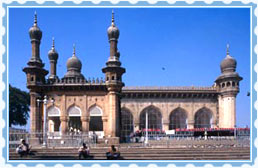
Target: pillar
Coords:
[[229, 112], [34, 113], [64, 125], [85, 124], [114, 116], [166, 125]]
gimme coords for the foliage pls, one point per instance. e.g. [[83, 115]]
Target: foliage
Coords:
[[19, 102]]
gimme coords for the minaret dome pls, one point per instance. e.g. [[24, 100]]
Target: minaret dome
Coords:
[[52, 54], [113, 31], [35, 32], [228, 64]]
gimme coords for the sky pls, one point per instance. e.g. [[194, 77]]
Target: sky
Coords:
[[158, 46]]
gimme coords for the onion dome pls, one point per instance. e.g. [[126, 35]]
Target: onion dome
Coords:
[[228, 64], [52, 54], [74, 63], [113, 31], [35, 32]]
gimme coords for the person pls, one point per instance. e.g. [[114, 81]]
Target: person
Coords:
[[95, 137], [23, 149], [84, 151], [113, 153]]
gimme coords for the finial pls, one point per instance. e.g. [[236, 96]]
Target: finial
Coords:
[[35, 18], [53, 42], [113, 20], [227, 49], [73, 49]]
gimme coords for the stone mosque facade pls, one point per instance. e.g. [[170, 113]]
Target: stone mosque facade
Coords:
[[113, 110]]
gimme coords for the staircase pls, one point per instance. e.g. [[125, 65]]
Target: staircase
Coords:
[[140, 153]]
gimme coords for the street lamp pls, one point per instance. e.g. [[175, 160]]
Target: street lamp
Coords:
[[45, 101], [146, 128], [235, 131]]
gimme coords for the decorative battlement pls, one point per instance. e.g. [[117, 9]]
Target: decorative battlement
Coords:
[[167, 88], [68, 81], [169, 92]]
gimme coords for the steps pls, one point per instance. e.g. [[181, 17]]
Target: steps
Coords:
[[242, 153]]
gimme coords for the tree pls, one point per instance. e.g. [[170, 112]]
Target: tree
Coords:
[[19, 102]]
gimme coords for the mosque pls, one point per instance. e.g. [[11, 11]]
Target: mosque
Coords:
[[111, 109]]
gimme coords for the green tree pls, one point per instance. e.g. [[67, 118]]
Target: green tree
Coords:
[[19, 102]]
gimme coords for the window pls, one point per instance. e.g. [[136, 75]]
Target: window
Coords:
[[178, 119], [127, 126], [154, 118], [202, 118]]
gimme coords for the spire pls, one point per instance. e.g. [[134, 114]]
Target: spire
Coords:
[[73, 50], [113, 20], [53, 43], [228, 49], [35, 18]]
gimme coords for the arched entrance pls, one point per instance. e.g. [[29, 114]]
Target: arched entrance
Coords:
[[154, 118], [127, 126], [178, 119], [203, 118], [75, 124], [96, 123], [53, 120]]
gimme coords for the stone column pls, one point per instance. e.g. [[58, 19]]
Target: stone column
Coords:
[[85, 124], [64, 124], [34, 113], [105, 125], [136, 125], [113, 122], [190, 123], [63, 116], [166, 125]]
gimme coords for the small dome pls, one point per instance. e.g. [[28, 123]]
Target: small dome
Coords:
[[35, 32], [228, 64], [52, 54], [113, 31], [74, 63]]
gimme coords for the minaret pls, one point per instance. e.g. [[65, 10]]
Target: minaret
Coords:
[[53, 56], [35, 37], [35, 71], [228, 86], [113, 72], [35, 76]]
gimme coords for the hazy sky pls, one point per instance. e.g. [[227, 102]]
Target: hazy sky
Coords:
[[189, 43]]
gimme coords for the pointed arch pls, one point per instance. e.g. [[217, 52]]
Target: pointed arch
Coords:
[[178, 119], [74, 113], [74, 110], [53, 111], [96, 123], [95, 110], [154, 118], [127, 124], [203, 118]]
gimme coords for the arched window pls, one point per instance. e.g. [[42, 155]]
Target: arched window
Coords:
[[53, 111], [96, 123], [178, 119], [233, 84], [154, 118], [223, 85], [74, 123], [228, 84], [202, 118], [53, 119], [127, 126]]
